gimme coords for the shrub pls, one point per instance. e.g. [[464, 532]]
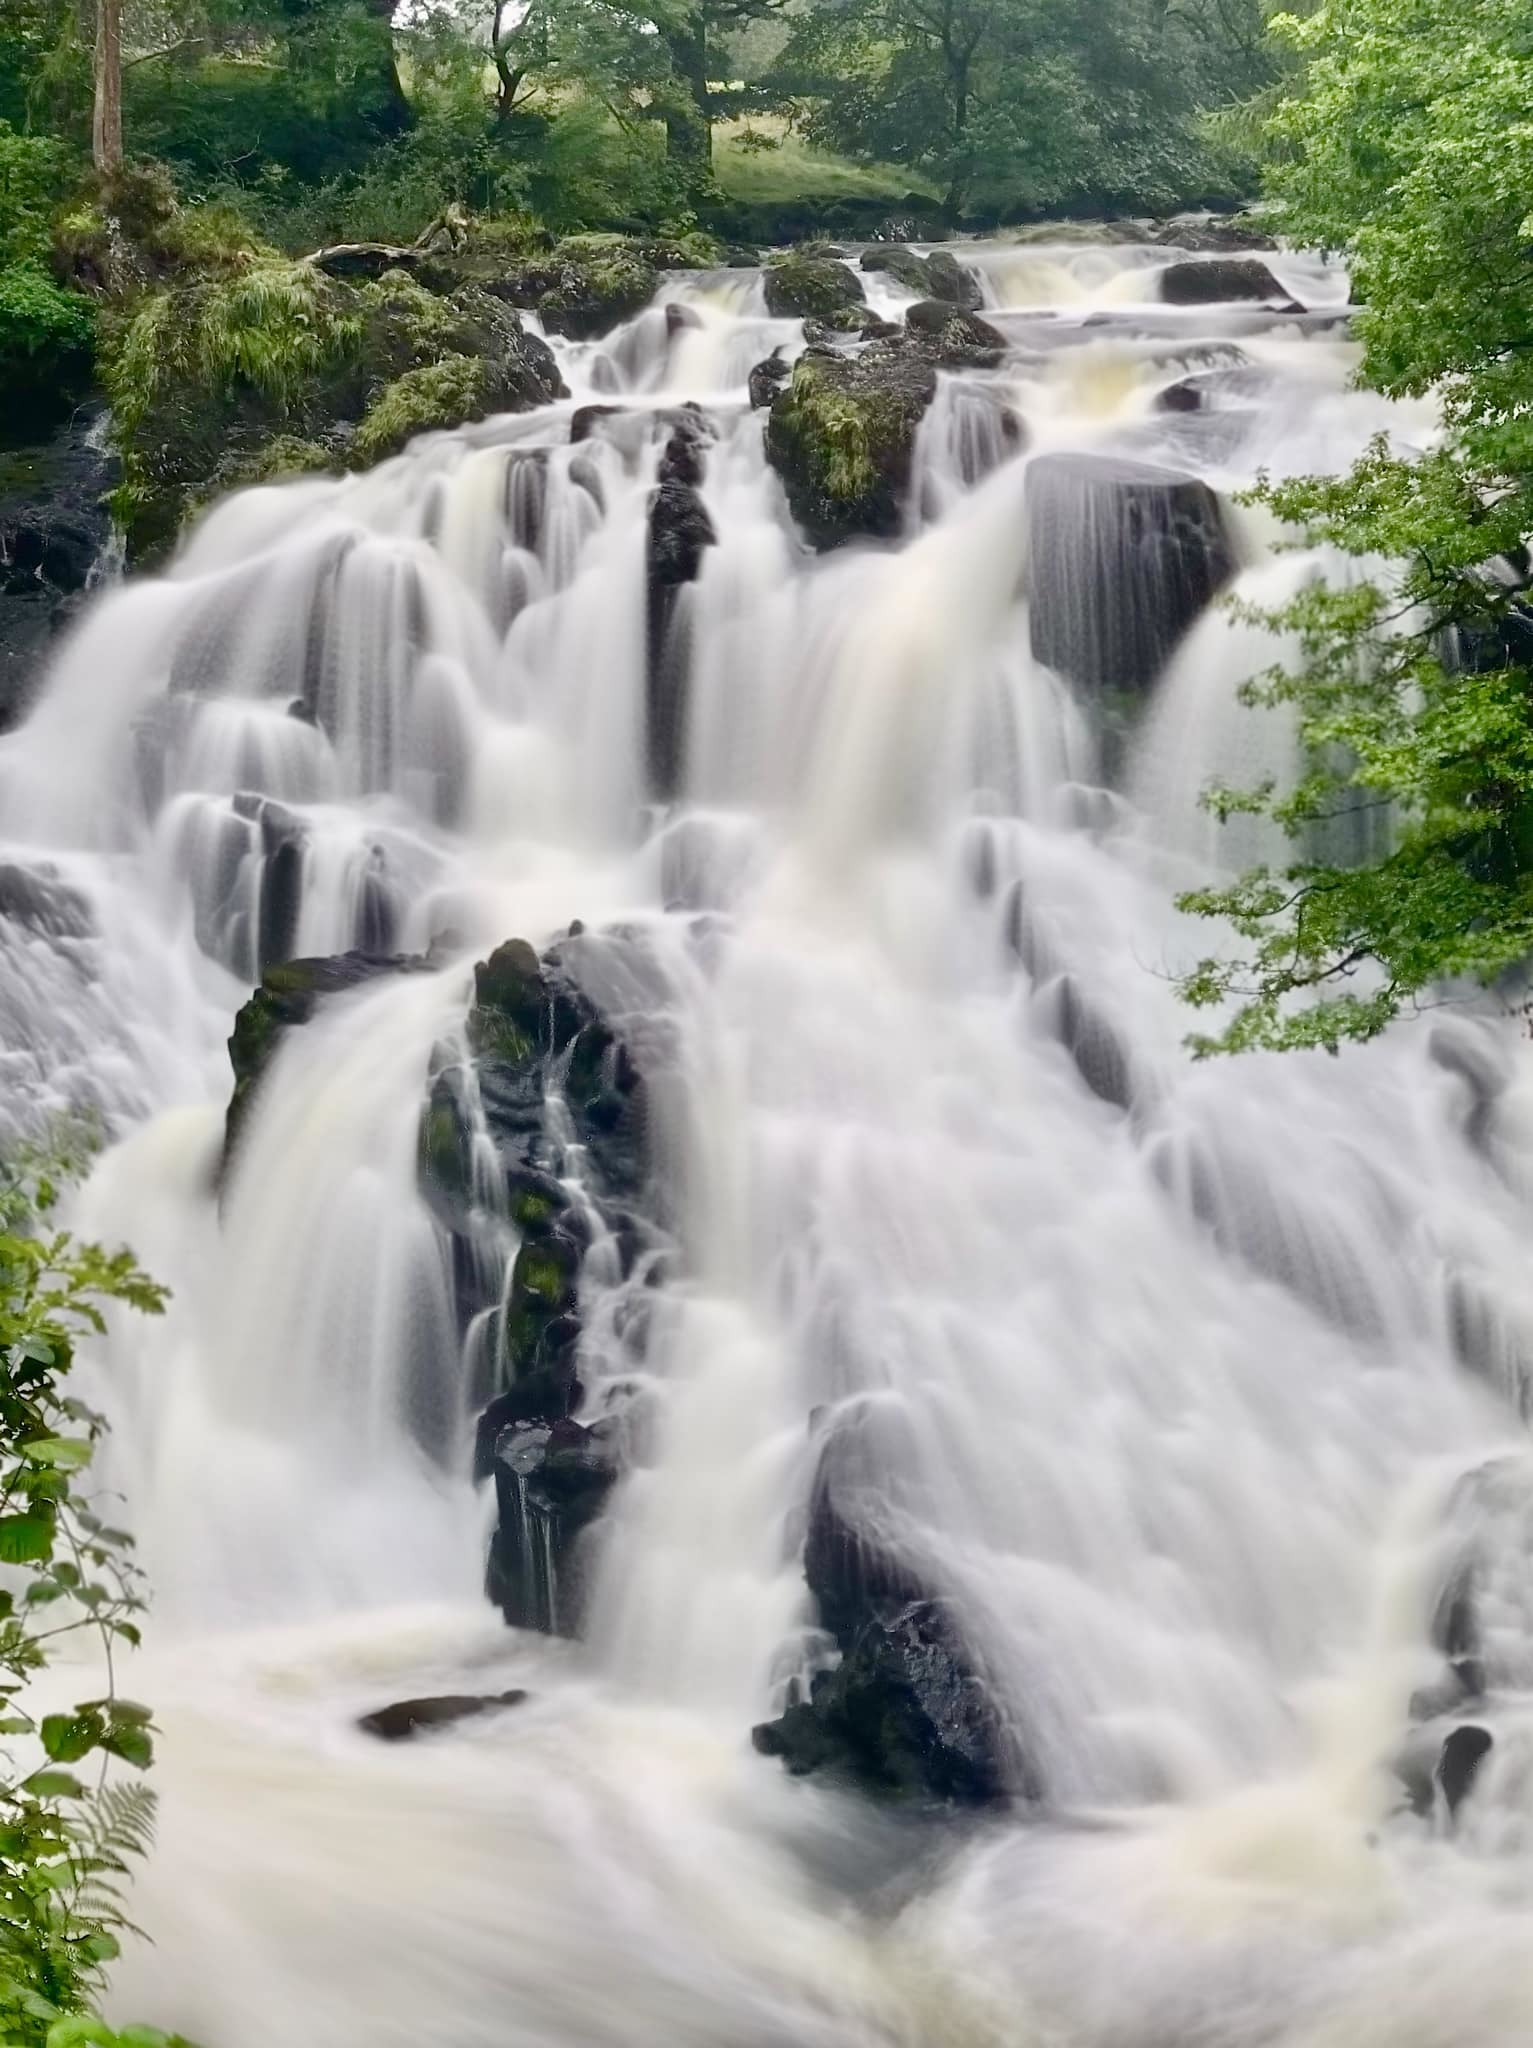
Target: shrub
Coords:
[[47, 339], [63, 1845]]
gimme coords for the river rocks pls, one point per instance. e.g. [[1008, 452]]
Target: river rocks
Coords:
[[1123, 556], [842, 437], [54, 529], [551, 1482], [1216, 280], [937, 276], [952, 338], [289, 995], [533, 1038], [811, 287], [767, 379], [680, 531], [900, 1714], [584, 287], [405, 1718], [1463, 1752], [546, 1082]]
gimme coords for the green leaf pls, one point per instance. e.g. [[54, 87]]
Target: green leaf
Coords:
[[48, 1784], [68, 1453], [25, 1539], [81, 2030], [131, 1743], [68, 1737]]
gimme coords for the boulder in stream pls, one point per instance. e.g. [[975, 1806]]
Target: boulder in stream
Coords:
[[803, 286], [680, 532], [937, 276], [397, 1723], [1216, 280], [842, 437], [900, 1714], [1123, 556]]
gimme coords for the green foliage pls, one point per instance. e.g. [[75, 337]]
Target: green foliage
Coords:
[[46, 340], [1018, 106], [1408, 146], [65, 1843]]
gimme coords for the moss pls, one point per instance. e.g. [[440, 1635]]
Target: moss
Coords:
[[585, 287], [809, 287], [438, 395], [842, 436], [442, 1149]]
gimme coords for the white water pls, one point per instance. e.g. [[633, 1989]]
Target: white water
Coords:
[[1166, 1399]]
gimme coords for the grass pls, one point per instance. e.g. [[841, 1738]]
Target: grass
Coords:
[[794, 169]]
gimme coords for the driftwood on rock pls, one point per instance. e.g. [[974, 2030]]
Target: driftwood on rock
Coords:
[[447, 233]]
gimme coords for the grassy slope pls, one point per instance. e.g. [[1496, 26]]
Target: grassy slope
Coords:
[[795, 170]]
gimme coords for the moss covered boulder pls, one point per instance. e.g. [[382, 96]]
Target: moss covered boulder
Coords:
[[584, 287], [812, 287], [952, 338], [210, 373], [842, 436]]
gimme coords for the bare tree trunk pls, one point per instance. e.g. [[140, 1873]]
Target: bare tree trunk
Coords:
[[106, 120]]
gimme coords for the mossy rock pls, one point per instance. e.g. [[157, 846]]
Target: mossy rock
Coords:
[[288, 996], [436, 396], [584, 287], [808, 287], [952, 338], [209, 375], [842, 436]]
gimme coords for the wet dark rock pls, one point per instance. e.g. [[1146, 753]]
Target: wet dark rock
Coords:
[[679, 534], [1098, 1052], [552, 1480], [533, 1035], [584, 287], [767, 379], [937, 276], [54, 529], [585, 421], [842, 438], [803, 287], [1464, 1751], [545, 1072], [901, 1714], [1123, 556], [1218, 280], [39, 901], [281, 839], [1212, 233], [848, 323], [405, 1718], [289, 995], [953, 338]]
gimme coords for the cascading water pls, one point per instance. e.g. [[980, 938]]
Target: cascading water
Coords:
[[1190, 1389]]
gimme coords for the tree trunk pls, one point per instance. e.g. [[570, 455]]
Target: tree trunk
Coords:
[[689, 128], [395, 113], [958, 178], [106, 117]]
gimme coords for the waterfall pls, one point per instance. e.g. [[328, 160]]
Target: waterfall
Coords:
[[1195, 1394]]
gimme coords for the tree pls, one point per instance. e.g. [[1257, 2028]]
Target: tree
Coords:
[[106, 120], [1022, 105], [1407, 146]]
